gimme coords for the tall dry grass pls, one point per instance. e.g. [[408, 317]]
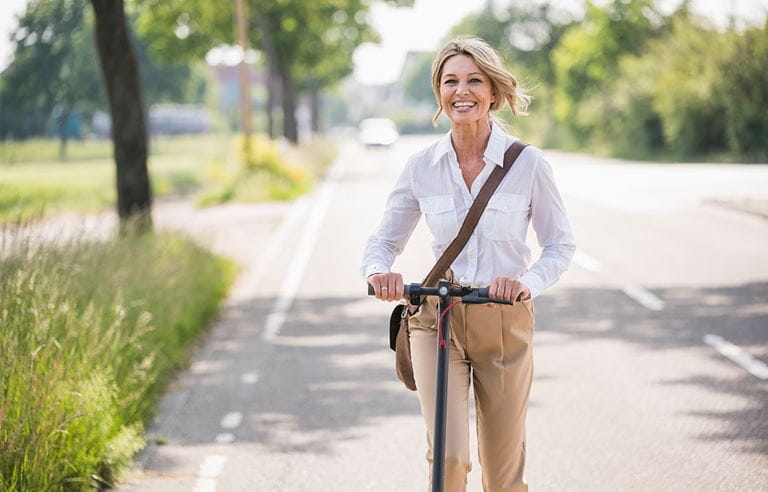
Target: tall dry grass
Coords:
[[90, 332]]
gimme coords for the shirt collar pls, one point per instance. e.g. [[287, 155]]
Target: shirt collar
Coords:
[[444, 146], [497, 145], [494, 151]]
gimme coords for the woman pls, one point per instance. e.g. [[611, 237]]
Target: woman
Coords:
[[490, 343]]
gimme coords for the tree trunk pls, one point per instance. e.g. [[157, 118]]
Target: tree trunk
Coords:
[[314, 106], [290, 126], [62, 121], [126, 104], [273, 76]]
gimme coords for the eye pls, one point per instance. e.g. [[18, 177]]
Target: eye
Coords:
[[449, 81], [476, 81]]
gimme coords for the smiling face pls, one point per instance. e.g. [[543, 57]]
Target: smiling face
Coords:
[[466, 93]]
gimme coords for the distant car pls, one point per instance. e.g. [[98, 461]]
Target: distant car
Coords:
[[380, 132]]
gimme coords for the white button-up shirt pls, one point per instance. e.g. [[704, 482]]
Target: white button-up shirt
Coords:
[[431, 184]]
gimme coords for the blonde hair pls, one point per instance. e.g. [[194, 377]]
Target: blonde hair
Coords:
[[503, 83]]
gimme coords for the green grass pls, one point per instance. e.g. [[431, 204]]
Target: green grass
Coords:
[[34, 183], [90, 334]]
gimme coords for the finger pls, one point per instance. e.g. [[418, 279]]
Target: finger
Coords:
[[493, 289], [374, 281], [399, 288], [516, 294], [384, 288], [390, 288], [509, 287]]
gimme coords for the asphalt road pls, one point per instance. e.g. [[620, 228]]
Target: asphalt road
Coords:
[[294, 388]]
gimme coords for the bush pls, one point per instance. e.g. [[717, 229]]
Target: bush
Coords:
[[744, 93], [91, 332], [267, 171], [686, 66]]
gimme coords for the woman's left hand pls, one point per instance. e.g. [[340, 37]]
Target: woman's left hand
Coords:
[[508, 289]]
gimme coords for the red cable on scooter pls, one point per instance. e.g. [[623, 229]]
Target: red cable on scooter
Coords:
[[440, 323]]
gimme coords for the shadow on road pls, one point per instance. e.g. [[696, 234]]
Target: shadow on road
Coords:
[[738, 314], [328, 377]]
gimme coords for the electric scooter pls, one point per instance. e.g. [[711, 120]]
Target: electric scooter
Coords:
[[445, 291]]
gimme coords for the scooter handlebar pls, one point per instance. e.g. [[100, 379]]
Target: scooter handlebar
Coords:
[[480, 292]]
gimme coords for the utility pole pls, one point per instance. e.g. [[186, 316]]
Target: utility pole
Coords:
[[245, 75]]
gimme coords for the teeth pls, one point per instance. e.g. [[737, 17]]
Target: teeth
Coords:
[[463, 105]]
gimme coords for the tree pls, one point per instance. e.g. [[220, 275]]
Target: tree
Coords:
[[744, 93], [586, 60], [321, 64], [53, 74], [417, 81], [129, 129], [51, 70], [307, 45]]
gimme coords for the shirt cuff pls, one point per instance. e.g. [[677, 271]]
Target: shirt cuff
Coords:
[[532, 281], [371, 269]]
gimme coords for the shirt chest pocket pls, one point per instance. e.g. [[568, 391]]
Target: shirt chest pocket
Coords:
[[440, 214], [505, 216]]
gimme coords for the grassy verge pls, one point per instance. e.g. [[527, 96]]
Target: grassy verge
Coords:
[[90, 333], [33, 182]]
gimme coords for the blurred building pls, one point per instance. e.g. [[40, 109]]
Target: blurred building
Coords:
[[164, 119]]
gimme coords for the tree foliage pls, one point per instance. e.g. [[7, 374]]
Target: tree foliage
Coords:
[[53, 70], [308, 45], [587, 58], [744, 93], [52, 67]]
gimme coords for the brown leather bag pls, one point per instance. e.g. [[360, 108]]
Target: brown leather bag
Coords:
[[399, 337]]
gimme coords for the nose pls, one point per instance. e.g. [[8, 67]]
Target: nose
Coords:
[[462, 89]]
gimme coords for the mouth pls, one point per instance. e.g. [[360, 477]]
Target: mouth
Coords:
[[464, 104]]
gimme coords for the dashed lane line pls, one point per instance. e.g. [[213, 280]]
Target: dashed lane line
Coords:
[[643, 296], [249, 378], [210, 468], [639, 294], [586, 261], [225, 438], [737, 355], [232, 420]]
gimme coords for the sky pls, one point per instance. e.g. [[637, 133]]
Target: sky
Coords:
[[422, 28]]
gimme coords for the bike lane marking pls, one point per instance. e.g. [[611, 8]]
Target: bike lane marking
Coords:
[[737, 355], [643, 296], [303, 253], [637, 293], [210, 468], [250, 378]]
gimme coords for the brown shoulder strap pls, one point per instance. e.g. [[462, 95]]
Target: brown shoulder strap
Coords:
[[473, 216]]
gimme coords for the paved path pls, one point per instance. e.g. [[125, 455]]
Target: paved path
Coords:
[[294, 390]]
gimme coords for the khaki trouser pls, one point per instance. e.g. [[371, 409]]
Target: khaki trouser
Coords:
[[492, 344]]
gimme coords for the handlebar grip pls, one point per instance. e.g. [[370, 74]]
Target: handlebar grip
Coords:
[[483, 291], [406, 290]]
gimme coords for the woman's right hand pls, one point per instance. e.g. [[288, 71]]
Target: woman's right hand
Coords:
[[387, 286]]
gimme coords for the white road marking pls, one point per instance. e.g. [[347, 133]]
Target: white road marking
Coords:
[[587, 262], [737, 355], [643, 296], [301, 257], [249, 378], [232, 420], [225, 438], [210, 468], [277, 239]]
